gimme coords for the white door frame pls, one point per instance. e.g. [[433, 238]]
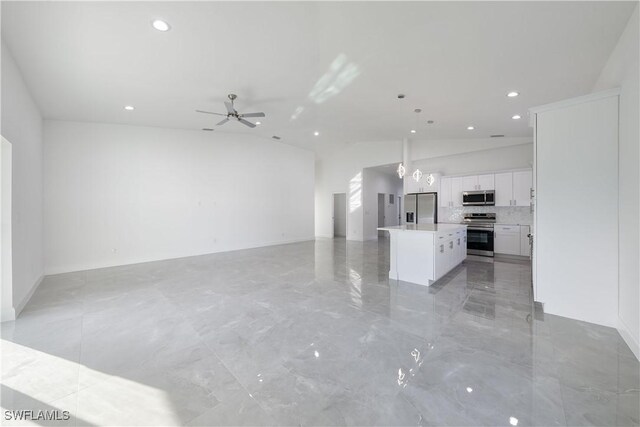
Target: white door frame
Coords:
[[7, 311]]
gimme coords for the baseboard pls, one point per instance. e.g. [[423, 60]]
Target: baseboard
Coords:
[[77, 268], [20, 306], [325, 236], [628, 338], [8, 315]]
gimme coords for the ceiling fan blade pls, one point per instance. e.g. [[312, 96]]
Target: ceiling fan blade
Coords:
[[222, 122], [230, 108], [209, 112], [253, 115], [246, 123]]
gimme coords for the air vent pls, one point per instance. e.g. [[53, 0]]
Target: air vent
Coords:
[[497, 136], [207, 129], [276, 137]]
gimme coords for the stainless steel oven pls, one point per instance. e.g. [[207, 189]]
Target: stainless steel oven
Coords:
[[478, 198], [480, 233]]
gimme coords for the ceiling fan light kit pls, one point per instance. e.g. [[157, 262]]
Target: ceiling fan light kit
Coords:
[[232, 113]]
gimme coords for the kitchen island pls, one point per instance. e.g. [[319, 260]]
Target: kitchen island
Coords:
[[423, 253]]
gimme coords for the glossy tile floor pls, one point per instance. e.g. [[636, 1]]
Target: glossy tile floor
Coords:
[[310, 334]]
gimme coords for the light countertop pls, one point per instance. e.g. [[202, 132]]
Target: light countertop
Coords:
[[425, 228]]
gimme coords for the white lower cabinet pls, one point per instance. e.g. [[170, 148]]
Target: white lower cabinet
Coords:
[[525, 246], [441, 257], [511, 239], [451, 250], [506, 239]]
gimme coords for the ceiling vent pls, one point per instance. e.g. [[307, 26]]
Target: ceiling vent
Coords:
[[497, 136], [207, 129], [276, 137]]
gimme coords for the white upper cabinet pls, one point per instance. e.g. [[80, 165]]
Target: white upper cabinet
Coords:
[[445, 193], [450, 192], [456, 192], [513, 188], [522, 184], [486, 182], [470, 183], [478, 182], [504, 189]]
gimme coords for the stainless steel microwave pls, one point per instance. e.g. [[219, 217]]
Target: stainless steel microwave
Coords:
[[478, 198]]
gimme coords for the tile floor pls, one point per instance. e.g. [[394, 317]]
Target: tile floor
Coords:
[[310, 334]]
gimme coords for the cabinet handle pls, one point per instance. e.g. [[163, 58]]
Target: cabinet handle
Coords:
[[451, 244], [458, 242], [442, 248], [531, 193]]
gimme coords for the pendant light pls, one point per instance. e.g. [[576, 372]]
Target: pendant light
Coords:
[[417, 174]]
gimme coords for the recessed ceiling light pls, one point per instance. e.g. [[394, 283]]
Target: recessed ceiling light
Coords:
[[470, 127], [129, 107], [516, 117], [258, 123], [160, 25], [512, 94], [413, 131], [316, 133]]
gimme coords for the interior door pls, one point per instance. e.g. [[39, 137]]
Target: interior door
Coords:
[[381, 213], [339, 215]]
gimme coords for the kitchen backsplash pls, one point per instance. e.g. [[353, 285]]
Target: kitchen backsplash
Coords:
[[504, 214]]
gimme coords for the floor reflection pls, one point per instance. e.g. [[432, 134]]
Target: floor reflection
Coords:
[[311, 333]]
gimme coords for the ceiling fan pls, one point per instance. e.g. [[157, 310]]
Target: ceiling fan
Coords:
[[233, 114]]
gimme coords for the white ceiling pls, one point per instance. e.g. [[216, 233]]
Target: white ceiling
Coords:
[[454, 60]]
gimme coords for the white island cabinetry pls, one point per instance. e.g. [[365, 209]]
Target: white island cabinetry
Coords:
[[424, 253]]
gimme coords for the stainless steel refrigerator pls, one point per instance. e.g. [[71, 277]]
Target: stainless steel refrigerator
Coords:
[[420, 208]]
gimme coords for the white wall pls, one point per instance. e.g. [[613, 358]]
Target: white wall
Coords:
[[117, 194], [493, 159], [341, 170], [21, 125], [622, 71], [375, 182], [576, 236]]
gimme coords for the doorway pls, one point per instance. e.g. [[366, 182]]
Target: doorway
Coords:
[[381, 213], [340, 215]]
